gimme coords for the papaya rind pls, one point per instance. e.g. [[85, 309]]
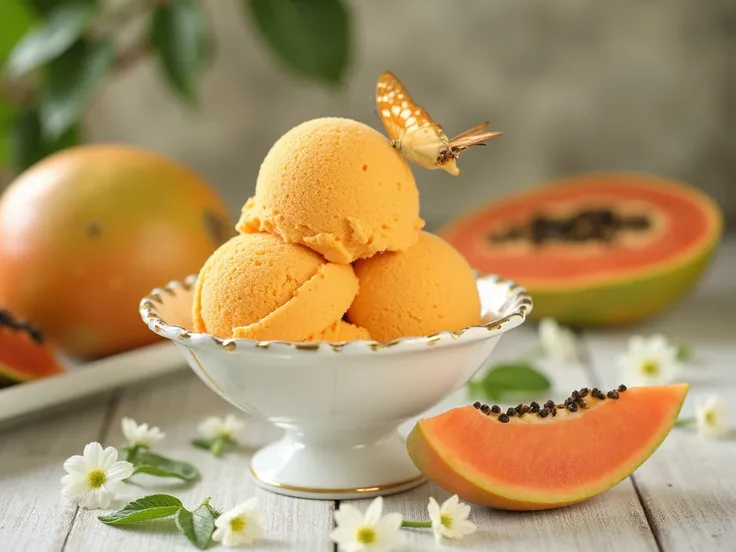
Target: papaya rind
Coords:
[[437, 465]]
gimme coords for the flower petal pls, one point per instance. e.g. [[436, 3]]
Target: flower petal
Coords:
[[120, 470], [450, 504], [348, 516], [373, 513], [433, 509], [389, 523], [93, 455], [464, 527], [76, 464], [462, 511], [109, 457]]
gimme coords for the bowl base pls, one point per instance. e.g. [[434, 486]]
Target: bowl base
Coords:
[[335, 469]]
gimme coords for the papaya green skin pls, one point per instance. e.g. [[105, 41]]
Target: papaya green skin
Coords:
[[622, 302]]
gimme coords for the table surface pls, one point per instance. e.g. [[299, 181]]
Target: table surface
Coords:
[[682, 498]]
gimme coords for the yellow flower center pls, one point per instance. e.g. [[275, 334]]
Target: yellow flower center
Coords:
[[650, 368], [237, 524], [446, 520], [710, 418], [366, 535], [96, 478]]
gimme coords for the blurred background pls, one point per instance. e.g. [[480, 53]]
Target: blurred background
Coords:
[[574, 85]]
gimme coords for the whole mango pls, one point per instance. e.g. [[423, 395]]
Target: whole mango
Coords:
[[87, 232]]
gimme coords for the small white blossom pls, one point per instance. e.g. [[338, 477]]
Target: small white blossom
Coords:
[[214, 427], [557, 341], [241, 525], [451, 519], [141, 435], [93, 478], [649, 361], [711, 418], [369, 532]]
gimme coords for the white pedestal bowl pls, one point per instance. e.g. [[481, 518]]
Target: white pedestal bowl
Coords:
[[340, 403]]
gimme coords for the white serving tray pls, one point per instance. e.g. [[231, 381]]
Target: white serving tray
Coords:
[[82, 380]]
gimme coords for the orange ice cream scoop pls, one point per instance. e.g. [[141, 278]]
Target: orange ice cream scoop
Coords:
[[425, 289], [259, 287], [341, 331], [338, 187]]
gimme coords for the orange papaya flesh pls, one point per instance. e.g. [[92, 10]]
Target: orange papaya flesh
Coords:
[[532, 462]]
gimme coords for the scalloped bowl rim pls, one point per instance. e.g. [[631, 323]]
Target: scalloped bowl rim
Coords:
[[516, 296]]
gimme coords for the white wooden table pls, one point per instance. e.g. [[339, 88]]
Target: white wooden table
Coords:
[[683, 498]]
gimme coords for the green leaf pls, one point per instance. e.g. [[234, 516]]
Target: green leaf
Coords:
[[153, 464], [216, 446], [63, 26], [503, 380], [177, 37], [16, 19], [311, 37], [155, 506], [27, 145], [70, 81], [7, 116], [685, 422], [198, 525], [684, 353]]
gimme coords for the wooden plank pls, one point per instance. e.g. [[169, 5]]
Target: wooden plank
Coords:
[[33, 515], [688, 487], [613, 522], [177, 404]]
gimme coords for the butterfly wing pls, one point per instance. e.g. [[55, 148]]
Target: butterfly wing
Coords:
[[397, 110], [475, 130], [463, 141]]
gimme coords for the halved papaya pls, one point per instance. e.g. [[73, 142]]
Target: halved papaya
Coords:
[[538, 457], [595, 249], [24, 354]]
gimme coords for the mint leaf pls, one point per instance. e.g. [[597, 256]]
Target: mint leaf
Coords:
[[153, 464], [52, 37], [155, 506], [177, 37], [509, 379], [197, 526], [311, 37], [70, 81], [202, 443]]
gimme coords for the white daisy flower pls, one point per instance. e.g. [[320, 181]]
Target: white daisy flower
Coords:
[[451, 519], [215, 427], [711, 418], [370, 532], [649, 361], [557, 341], [93, 478], [241, 525], [141, 435]]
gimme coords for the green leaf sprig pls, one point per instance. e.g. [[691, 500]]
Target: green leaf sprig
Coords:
[[216, 445], [513, 379], [196, 525], [157, 465]]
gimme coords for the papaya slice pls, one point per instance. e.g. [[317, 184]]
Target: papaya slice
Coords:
[[24, 354], [538, 457], [595, 249]]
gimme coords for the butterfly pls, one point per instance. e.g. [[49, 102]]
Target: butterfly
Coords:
[[416, 135]]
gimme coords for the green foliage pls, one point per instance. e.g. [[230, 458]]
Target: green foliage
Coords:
[[26, 142], [178, 39], [55, 54], [153, 464], [149, 507], [198, 526], [63, 26], [70, 81], [509, 380], [311, 37]]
